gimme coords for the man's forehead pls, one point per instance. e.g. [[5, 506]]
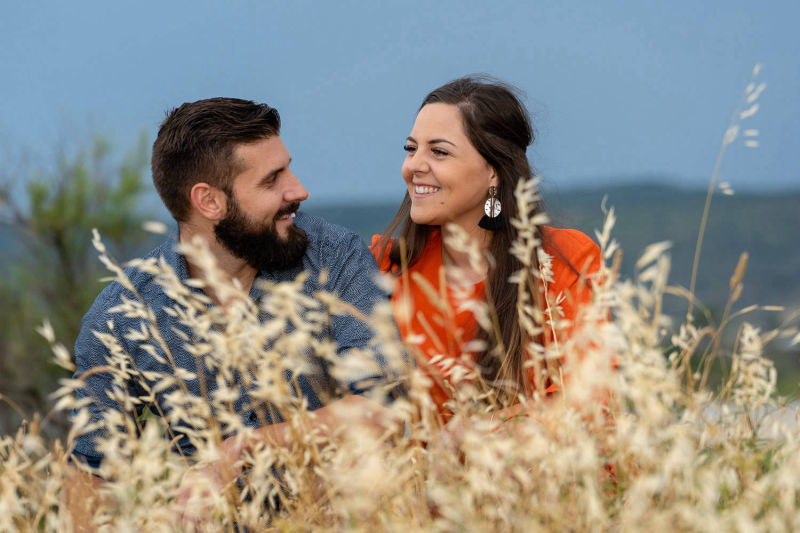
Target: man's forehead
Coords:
[[269, 152]]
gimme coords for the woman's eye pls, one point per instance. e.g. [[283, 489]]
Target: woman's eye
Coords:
[[439, 152], [410, 148]]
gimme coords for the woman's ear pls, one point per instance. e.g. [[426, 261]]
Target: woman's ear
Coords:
[[494, 181], [210, 202]]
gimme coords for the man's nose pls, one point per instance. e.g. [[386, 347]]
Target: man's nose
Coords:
[[295, 192]]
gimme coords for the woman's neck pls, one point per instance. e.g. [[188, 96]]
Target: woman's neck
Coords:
[[465, 262]]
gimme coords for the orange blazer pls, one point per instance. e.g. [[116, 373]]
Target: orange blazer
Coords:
[[439, 331]]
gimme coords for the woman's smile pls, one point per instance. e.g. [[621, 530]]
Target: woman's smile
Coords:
[[422, 190]]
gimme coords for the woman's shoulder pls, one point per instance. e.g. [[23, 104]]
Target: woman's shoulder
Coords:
[[376, 240], [381, 245], [569, 240], [572, 246], [380, 248]]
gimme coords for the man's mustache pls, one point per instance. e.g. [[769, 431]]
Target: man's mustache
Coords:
[[288, 210]]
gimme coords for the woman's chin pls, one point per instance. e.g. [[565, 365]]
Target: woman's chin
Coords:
[[423, 219]]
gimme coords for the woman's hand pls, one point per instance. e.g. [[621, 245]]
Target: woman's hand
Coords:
[[203, 484], [199, 490]]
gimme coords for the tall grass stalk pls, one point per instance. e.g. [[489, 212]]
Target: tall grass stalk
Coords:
[[625, 446], [748, 98], [586, 460]]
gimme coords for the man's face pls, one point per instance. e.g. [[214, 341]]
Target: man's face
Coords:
[[258, 226]]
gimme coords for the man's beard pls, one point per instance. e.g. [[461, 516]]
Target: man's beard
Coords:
[[261, 247]]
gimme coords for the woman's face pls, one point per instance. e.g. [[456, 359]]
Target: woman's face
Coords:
[[447, 179]]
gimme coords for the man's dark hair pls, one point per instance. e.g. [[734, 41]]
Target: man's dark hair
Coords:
[[195, 144]]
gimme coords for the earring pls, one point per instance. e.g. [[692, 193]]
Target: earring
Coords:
[[492, 220]]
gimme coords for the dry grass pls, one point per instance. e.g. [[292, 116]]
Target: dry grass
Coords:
[[645, 445]]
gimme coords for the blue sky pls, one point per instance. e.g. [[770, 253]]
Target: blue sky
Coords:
[[619, 90]]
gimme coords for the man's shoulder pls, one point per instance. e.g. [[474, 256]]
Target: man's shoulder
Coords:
[[324, 236], [341, 251], [141, 282]]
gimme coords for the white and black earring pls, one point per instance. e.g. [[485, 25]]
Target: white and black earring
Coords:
[[492, 220]]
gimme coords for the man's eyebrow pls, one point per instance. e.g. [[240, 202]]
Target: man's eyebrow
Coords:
[[274, 174]]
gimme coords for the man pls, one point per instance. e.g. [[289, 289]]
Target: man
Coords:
[[224, 174]]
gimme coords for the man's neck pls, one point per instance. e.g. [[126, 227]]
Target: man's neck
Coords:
[[233, 268]]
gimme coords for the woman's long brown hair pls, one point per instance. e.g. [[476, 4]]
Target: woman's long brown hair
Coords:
[[498, 126]]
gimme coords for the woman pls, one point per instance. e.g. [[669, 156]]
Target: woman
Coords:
[[465, 155]]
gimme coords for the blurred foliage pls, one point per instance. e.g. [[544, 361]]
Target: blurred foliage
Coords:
[[50, 269]]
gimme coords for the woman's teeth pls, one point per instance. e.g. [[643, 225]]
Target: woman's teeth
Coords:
[[425, 189]]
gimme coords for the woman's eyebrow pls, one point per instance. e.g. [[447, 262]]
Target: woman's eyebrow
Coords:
[[432, 141], [435, 141]]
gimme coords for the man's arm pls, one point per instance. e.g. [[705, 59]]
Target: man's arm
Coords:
[[82, 491], [81, 494], [344, 413], [354, 279]]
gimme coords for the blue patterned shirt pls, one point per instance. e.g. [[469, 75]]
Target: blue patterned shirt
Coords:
[[352, 275]]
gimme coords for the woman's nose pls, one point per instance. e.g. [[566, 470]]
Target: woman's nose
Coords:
[[416, 163]]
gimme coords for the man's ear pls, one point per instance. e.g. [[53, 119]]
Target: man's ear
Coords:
[[210, 202]]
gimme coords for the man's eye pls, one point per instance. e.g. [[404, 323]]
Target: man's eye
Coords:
[[410, 148]]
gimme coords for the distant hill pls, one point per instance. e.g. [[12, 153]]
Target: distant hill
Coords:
[[764, 225]]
